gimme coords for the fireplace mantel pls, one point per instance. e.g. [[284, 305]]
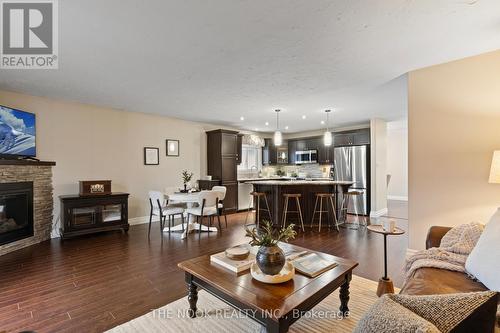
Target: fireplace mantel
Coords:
[[26, 162]]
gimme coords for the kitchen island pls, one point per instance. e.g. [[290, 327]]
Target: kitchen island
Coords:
[[275, 189]]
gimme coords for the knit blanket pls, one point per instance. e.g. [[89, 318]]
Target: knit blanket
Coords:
[[455, 247]]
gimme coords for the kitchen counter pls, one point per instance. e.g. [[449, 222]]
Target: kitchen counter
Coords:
[[284, 182], [275, 189]]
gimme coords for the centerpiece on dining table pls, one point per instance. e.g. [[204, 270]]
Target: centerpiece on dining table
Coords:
[[186, 178]]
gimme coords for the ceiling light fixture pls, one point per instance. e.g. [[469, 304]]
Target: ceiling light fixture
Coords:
[[286, 127], [278, 139], [327, 137], [267, 123], [304, 117], [242, 118], [322, 122]]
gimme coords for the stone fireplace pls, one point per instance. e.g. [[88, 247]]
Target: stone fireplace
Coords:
[[26, 203]]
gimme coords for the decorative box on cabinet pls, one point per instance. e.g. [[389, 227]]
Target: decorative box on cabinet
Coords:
[[82, 215]]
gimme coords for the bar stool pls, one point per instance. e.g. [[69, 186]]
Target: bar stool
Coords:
[[257, 196], [329, 199], [349, 197], [287, 196]]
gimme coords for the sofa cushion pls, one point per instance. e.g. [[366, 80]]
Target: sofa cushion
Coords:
[[483, 260], [463, 312], [429, 281]]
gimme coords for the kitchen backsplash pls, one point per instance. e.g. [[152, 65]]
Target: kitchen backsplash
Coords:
[[305, 170]]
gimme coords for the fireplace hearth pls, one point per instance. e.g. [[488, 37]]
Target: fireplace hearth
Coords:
[[16, 211]]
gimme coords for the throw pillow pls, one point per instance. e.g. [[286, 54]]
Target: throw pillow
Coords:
[[429, 313], [483, 260], [462, 239], [388, 316]]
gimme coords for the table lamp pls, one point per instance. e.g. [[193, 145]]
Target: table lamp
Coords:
[[495, 168]]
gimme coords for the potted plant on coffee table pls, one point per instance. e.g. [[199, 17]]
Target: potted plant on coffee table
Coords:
[[270, 257]]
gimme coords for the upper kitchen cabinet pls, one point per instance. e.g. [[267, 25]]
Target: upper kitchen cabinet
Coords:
[[349, 138], [269, 153], [222, 159]]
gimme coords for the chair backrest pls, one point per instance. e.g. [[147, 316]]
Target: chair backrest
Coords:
[[222, 190], [210, 198], [154, 197]]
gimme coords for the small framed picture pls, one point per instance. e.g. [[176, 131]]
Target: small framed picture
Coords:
[[172, 147], [151, 156]]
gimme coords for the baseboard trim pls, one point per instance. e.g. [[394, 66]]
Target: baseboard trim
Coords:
[[379, 213], [397, 198], [142, 220]]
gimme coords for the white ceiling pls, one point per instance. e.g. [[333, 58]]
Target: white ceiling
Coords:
[[217, 60]]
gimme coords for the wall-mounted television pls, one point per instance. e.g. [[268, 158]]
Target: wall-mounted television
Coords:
[[17, 133]]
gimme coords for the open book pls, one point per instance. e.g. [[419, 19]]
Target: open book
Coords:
[[312, 264]]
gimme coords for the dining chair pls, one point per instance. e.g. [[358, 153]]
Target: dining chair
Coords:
[[220, 206], [207, 207], [160, 207]]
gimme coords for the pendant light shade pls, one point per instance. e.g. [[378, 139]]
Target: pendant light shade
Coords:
[[278, 138], [327, 137]]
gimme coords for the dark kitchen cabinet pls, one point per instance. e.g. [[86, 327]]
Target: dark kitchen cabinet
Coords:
[[239, 147], [349, 138], [269, 153], [292, 148], [223, 156]]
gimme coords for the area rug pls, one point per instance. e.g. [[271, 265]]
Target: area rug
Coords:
[[216, 316]]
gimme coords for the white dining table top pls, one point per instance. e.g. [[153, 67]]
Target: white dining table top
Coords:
[[183, 197]]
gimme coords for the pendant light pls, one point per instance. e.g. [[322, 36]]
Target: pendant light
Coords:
[[327, 137], [278, 139]]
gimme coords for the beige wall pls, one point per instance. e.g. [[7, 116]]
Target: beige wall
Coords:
[[454, 126], [378, 166], [397, 159], [89, 142]]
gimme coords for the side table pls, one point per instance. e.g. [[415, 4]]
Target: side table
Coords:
[[385, 284]]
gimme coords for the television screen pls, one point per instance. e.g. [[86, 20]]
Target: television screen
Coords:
[[17, 133]]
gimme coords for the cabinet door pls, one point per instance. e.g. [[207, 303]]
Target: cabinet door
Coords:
[[229, 168], [273, 153], [301, 145], [231, 199], [229, 144], [83, 217], [239, 146], [362, 137], [292, 148], [343, 139]]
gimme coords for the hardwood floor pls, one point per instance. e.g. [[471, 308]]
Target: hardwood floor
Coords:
[[93, 283]]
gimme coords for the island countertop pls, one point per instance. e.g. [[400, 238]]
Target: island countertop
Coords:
[[299, 182]]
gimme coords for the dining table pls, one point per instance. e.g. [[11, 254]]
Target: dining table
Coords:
[[190, 199]]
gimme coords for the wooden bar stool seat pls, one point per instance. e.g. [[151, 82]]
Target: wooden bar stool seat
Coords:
[[329, 197], [257, 196], [292, 196], [348, 198]]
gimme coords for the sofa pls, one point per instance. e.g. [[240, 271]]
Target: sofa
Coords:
[[431, 281]]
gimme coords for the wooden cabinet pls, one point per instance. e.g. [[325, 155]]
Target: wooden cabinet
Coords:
[[292, 148], [349, 138], [207, 184], [269, 153], [223, 156], [82, 215], [239, 147]]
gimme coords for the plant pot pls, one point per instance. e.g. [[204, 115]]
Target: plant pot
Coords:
[[270, 259]]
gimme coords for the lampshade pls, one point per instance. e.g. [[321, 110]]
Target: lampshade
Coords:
[[278, 139], [327, 138], [495, 168]]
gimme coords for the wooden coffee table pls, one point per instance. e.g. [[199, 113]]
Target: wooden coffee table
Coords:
[[277, 306]]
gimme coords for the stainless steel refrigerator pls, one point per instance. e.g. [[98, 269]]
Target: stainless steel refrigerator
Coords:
[[352, 164]]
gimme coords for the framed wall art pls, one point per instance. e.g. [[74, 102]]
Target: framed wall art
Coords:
[[172, 147], [151, 156]]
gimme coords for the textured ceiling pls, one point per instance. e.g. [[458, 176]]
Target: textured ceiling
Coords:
[[215, 61]]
